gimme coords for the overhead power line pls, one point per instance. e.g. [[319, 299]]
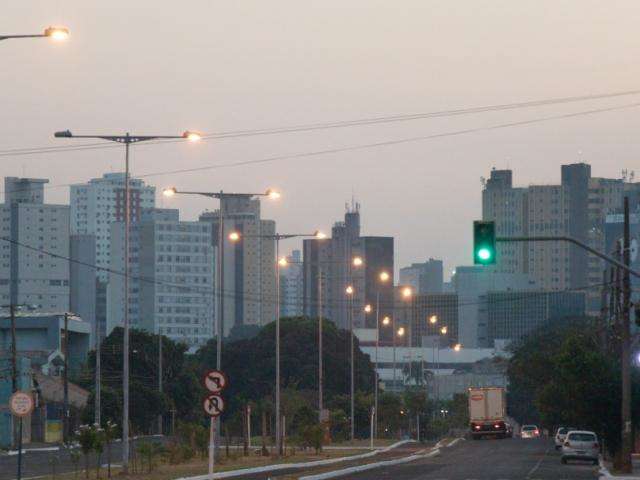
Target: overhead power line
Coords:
[[334, 124], [366, 146]]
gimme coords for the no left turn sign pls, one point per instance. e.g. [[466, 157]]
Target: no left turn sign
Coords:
[[215, 381], [213, 405]]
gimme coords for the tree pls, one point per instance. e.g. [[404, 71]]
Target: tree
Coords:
[[86, 436], [390, 414], [250, 363], [181, 386], [110, 434]]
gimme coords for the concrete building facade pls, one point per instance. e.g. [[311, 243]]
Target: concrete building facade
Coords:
[[332, 258], [512, 315], [249, 265], [426, 277], [471, 283], [33, 269], [171, 288], [291, 288]]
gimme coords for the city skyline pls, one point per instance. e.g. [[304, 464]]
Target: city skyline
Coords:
[[191, 92]]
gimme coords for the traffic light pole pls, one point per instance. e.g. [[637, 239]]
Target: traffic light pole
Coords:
[[586, 247]]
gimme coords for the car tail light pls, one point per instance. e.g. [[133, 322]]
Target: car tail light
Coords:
[[536, 432], [477, 427], [496, 425]]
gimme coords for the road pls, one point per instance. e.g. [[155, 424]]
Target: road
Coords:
[[509, 459], [512, 459]]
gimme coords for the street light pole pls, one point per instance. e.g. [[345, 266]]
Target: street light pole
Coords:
[[320, 365], [127, 139], [56, 33], [277, 237]]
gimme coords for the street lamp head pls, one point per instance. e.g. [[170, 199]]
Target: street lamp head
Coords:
[[349, 290], [273, 194], [319, 235], [386, 320], [407, 292], [443, 330], [367, 308], [57, 33], [63, 134], [234, 236], [169, 192], [401, 331], [357, 261], [457, 347], [433, 319], [384, 276], [282, 261], [192, 136]]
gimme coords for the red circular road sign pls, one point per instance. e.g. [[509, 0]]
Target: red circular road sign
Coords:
[[21, 404], [215, 381], [213, 405]]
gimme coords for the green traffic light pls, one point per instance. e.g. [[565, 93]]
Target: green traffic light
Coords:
[[484, 254]]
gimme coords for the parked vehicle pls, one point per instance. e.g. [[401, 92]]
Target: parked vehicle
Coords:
[[487, 409], [581, 445], [530, 431], [561, 434]]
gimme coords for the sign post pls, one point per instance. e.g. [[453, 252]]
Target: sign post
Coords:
[[21, 405], [213, 404]]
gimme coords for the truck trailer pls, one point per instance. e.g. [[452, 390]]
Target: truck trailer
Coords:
[[487, 411]]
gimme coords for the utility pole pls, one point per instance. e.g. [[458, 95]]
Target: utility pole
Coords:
[[98, 379], [625, 463], [65, 417], [14, 370], [14, 350], [160, 378], [320, 366]]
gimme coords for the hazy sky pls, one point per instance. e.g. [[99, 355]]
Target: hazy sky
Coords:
[[154, 67]]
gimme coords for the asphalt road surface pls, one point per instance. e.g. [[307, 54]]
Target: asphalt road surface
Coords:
[[508, 459]]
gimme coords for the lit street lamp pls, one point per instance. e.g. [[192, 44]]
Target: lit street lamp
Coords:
[[55, 33], [126, 139], [277, 237]]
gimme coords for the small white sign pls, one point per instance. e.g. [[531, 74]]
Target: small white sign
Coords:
[[21, 404]]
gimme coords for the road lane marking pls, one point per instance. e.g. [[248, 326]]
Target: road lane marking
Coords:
[[537, 465]]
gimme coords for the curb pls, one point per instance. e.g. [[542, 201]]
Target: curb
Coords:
[[293, 466], [370, 466]]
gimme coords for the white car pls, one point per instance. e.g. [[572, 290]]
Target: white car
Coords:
[[529, 431], [560, 435], [581, 445]]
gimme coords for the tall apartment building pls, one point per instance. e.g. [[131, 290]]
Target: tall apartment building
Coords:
[[99, 203], [331, 260], [249, 272], [291, 289], [29, 275], [426, 277], [171, 288], [95, 206]]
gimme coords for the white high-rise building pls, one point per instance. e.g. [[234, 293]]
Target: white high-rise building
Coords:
[[292, 286], [99, 203], [29, 273], [171, 287]]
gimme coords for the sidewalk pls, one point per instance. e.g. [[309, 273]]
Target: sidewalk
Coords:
[[606, 467]]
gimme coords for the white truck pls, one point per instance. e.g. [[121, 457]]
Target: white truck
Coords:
[[487, 411]]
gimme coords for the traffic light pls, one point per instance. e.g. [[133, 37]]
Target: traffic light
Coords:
[[484, 243]]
